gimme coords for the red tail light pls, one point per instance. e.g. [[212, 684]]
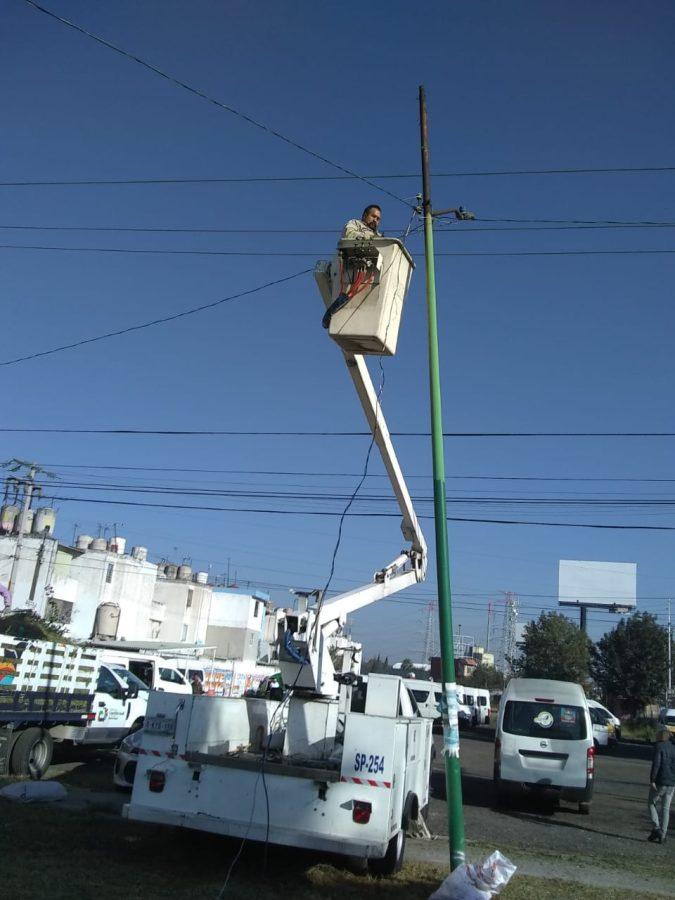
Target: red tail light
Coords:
[[91, 717], [361, 812], [590, 762], [156, 781]]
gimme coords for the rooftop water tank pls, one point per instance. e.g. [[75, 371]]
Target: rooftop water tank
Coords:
[[117, 545], [84, 542], [30, 517], [185, 573], [171, 571], [202, 577], [44, 521], [99, 544], [375, 274], [8, 518], [139, 553], [106, 621]]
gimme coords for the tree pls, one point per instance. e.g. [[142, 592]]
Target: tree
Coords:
[[630, 662], [407, 666], [26, 624], [486, 677], [554, 647], [377, 666]]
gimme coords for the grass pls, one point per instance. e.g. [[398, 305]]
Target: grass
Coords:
[[639, 729], [60, 854]]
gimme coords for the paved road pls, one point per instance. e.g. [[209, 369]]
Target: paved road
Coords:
[[618, 822]]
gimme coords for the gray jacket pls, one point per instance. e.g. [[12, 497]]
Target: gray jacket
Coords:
[[663, 765]]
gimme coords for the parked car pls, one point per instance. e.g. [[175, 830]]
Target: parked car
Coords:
[[616, 722], [667, 718], [126, 759], [544, 741]]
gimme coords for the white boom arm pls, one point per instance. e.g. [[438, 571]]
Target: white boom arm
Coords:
[[303, 636]]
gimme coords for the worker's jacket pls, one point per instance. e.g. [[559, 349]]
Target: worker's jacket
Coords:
[[356, 230]]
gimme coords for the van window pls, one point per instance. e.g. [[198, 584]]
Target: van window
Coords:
[[482, 701], [420, 696], [142, 669], [544, 720], [171, 675], [107, 683]]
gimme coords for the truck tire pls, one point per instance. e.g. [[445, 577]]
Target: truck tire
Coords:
[[32, 753], [392, 860]]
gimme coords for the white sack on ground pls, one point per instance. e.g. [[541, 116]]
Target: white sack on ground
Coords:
[[476, 881], [34, 791]]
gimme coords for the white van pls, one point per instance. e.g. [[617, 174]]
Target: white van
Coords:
[[478, 700], [156, 673], [616, 722], [428, 695], [118, 707], [544, 740]]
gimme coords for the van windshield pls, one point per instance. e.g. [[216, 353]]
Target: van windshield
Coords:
[[129, 678], [420, 696], [544, 720]]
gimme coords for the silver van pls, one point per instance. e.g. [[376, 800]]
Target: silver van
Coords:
[[544, 740]]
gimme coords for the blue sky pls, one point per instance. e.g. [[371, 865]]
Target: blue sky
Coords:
[[528, 343]]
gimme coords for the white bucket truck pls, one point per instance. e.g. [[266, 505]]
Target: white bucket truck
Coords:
[[340, 763]]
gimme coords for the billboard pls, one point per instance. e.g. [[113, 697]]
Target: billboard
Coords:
[[601, 584]]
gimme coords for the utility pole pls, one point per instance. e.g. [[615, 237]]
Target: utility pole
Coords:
[[670, 658], [28, 488], [453, 778]]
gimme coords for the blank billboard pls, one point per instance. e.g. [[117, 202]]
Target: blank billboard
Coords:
[[603, 584]]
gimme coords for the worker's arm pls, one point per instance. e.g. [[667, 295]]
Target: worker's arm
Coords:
[[355, 230]]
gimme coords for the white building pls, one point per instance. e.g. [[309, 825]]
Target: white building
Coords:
[[237, 625], [183, 605]]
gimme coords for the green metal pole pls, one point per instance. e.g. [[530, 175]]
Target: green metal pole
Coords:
[[453, 777]]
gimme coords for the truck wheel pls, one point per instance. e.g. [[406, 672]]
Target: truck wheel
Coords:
[[585, 808], [138, 724], [393, 859], [32, 753]]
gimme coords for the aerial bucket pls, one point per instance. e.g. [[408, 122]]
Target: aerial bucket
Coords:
[[364, 288]]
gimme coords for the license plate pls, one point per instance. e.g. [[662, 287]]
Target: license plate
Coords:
[[159, 725]]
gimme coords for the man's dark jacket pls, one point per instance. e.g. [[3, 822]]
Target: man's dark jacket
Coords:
[[663, 765]]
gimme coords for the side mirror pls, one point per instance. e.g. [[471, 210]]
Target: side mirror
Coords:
[[132, 692]]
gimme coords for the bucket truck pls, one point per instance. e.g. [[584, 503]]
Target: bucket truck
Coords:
[[341, 762]]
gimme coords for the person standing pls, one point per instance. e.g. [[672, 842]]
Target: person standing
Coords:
[[661, 784]]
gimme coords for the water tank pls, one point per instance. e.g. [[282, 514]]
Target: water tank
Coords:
[[44, 521], [202, 577], [84, 542], [369, 321], [139, 553], [185, 573], [8, 518], [171, 571], [106, 621], [99, 544], [118, 544]]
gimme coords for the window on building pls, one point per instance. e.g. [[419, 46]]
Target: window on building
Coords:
[[191, 592], [184, 632], [257, 609], [109, 572]]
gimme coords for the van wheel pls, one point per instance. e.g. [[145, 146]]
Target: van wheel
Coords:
[[393, 859], [138, 724], [32, 753], [500, 794], [585, 808]]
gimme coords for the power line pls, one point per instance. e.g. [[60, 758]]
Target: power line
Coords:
[[314, 253], [198, 93], [318, 474], [160, 321], [102, 182], [416, 434], [547, 225], [363, 515]]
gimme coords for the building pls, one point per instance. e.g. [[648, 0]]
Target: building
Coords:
[[238, 624], [182, 605]]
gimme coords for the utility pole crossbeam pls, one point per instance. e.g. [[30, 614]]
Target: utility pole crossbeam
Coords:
[[453, 779]]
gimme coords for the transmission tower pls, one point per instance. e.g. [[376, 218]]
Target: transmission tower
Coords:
[[430, 644], [508, 648]]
